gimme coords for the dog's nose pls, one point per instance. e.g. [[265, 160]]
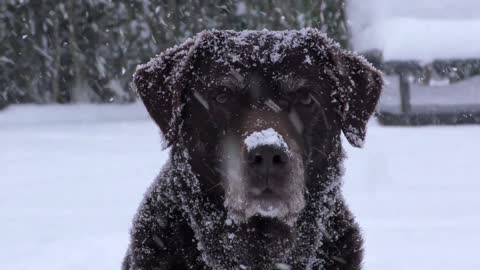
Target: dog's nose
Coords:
[[267, 159]]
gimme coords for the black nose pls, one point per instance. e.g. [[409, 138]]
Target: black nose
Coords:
[[267, 159]]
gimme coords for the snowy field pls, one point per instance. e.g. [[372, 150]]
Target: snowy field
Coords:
[[72, 177]]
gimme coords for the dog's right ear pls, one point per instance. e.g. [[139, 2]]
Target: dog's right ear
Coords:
[[160, 84], [358, 92]]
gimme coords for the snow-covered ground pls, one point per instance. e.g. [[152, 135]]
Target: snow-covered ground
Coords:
[[72, 177]]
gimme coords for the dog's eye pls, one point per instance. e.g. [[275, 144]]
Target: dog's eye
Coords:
[[221, 98], [305, 99]]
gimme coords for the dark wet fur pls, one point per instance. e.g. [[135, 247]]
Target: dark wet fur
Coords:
[[181, 222]]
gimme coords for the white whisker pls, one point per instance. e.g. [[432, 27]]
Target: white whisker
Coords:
[[272, 105], [201, 99]]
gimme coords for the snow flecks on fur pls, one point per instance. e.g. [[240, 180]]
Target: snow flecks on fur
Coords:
[[352, 136], [224, 243], [283, 266], [307, 60], [265, 137], [267, 47]]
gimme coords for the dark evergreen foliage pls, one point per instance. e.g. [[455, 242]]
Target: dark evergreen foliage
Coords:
[[87, 50]]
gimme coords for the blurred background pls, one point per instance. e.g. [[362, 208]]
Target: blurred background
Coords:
[[77, 150], [86, 51]]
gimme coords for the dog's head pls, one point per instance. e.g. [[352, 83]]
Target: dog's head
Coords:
[[259, 112]]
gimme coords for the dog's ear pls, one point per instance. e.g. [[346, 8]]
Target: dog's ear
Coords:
[[160, 84], [360, 85]]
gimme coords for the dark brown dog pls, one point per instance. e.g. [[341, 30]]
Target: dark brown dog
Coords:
[[254, 121]]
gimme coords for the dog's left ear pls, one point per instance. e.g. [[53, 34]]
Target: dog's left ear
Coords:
[[360, 85], [160, 84]]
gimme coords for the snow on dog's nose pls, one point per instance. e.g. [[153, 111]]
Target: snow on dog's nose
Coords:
[[264, 176], [267, 157], [266, 137]]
